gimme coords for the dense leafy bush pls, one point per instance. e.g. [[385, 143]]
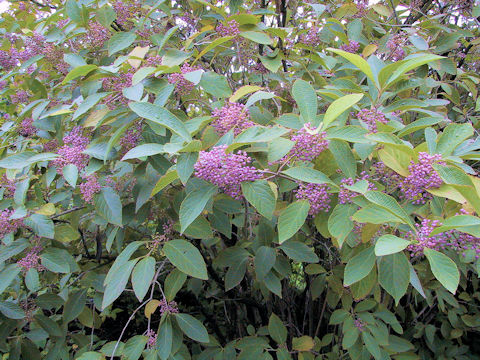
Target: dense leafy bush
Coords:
[[249, 179]]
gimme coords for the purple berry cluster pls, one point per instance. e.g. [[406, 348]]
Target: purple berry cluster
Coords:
[[8, 225], [228, 29], [152, 338], [89, 188], [232, 116], [396, 46], [126, 12], [316, 194], [371, 117], [8, 185], [307, 146], [422, 177], [169, 307], [154, 61], [260, 69], [20, 97], [362, 8], [345, 196], [448, 240], [96, 36], [182, 85], [31, 260], [359, 324], [352, 46], [123, 184], [131, 138], [386, 176], [26, 127], [72, 150], [227, 171], [311, 38], [116, 85]]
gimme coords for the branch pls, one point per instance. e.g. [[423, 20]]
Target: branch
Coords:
[[68, 211]]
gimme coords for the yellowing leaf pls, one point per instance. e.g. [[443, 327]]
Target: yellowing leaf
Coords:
[[150, 308], [303, 343], [95, 117], [47, 210], [137, 54], [244, 90], [369, 50]]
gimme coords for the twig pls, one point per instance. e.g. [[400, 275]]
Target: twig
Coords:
[[68, 211]]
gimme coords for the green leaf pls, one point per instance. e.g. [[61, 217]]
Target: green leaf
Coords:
[[452, 136], [134, 347], [359, 266], [291, 219], [185, 163], [11, 310], [299, 252], [309, 175], [392, 73], [261, 196], [464, 223], [193, 328], [70, 173], [306, 99], [194, 203], [161, 116], [371, 345], [276, 329], [212, 46], [273, 284], [143, 151], [265, 258], [235, 274], [142, 276], [50, 326], [340, 223], [105, 15], [164, 339], [256, 36], [186, 258], [74, 305], [88, 103], [79, 71], [374, 214], [444, 269], [339, 106], [120, 41], [109, 206], [57, 260], [358, 61], [170, 176], [394, 274], [390, 244], [173, 283], [344, 157], [216, 85], [73, 11], [91, 355], [390, 204], [117, 283], [41, 225], [8, 274]]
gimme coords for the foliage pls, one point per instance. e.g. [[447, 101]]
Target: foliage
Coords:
[[239, 179]]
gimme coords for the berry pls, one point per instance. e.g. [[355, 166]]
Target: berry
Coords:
[[232, 116]]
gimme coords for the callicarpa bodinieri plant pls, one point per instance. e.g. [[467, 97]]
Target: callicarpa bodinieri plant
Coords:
[[239, 179]]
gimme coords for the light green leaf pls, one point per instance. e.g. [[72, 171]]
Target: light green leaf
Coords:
[[120, 41], [356, 60], [143, 150], [109, 206], [264, 260], [340, 223], [291, 219], [134, 347], [394, 274], [212, 46], [117, 283], [276, 329], [41, 225], [390, 244], [309, 175], [79, 71], [173, 283], [142, 276], [193, 328], [8, 274], [70, 173], [256, 36], [359, 266], [170, 176], [306, 99], [186, 258], [444, 269], [390, 204], [161, 116], [452, 136], [299, 252], [261, 196], [216, 85], [164, 339], [339, 106], [194, 203]]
